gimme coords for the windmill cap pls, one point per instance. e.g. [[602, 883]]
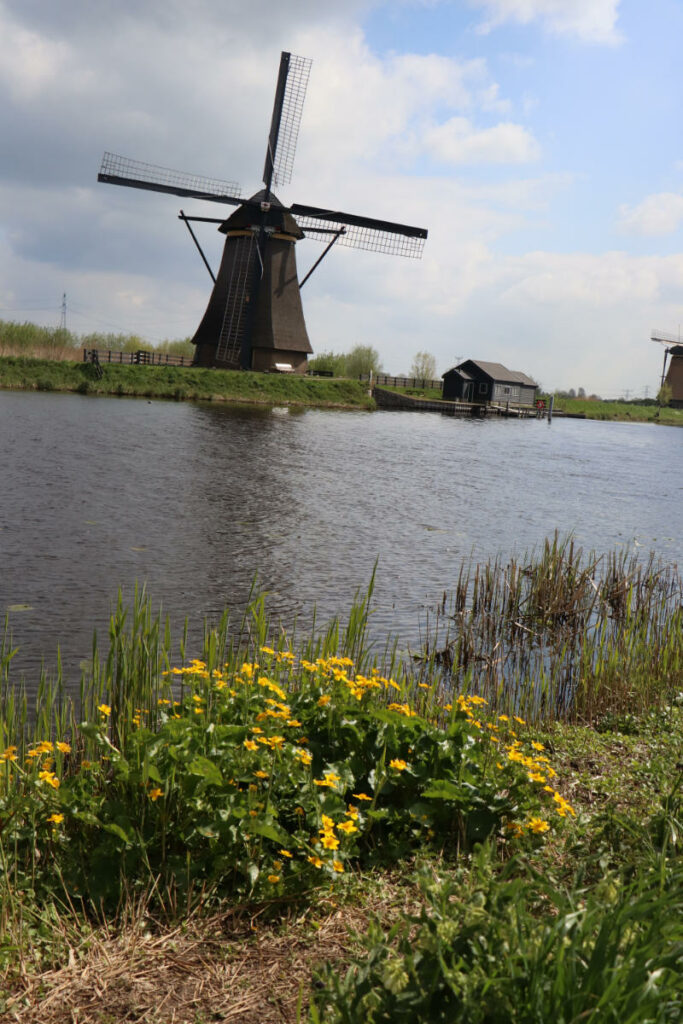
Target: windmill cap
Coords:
[[276, 216]]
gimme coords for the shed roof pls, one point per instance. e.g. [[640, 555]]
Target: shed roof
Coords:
[[496, 371]]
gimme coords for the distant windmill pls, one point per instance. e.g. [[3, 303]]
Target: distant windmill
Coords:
[[674, 349], [254, 319]]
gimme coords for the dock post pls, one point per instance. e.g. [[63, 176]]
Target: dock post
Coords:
[[550, 409]]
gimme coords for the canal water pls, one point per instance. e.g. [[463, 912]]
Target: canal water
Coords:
[[199, 500]]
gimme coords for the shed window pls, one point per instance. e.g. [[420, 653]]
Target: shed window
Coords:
[[483, 388], [506, 391]]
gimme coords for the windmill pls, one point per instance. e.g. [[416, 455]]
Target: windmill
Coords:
[[674, 349], [254, 318]]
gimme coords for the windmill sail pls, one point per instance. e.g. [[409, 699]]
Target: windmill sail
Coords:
[[361, 232], [121, 170], [290, 94]]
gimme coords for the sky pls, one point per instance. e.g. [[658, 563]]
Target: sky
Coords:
[[538, 141]]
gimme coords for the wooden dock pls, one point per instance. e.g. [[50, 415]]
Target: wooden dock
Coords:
[[393, 400]]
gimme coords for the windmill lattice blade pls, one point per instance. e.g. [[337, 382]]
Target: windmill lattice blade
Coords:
[[362, 232], [665, 337], [120, 170], [284, 127]]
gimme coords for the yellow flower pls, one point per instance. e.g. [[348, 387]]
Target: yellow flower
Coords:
[[518, 719], [398, 764], [538, 825], [338, 866], [105, 709], [50, 778], [261, 775], [329, 841], [503, 718], [250, 745], [536, 777], [362, 796], [347, 826], [538, 746], [273, 879], [155, 793], [515, 828], [56, 819], [402, 709], [267, 650], [9, 754], [423, 686], [328, 823], [63, 748], [286, 853], [325, 699], [330, 780], [315, 861]]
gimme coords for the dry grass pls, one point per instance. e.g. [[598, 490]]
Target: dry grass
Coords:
[[58, 355], [226, 967]]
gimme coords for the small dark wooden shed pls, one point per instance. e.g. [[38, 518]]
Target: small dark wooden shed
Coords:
[[483, 382]]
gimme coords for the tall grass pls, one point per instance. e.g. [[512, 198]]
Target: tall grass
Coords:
[[560, 634]]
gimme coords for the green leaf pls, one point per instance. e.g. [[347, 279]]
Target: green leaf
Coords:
[[278, 835], [443, 789], [116, 830], [87, 818], [207, 769]]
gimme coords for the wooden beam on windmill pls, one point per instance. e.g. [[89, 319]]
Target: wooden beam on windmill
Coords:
[[254, 318]]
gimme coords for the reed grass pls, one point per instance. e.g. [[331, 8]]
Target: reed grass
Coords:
[[561, 635]]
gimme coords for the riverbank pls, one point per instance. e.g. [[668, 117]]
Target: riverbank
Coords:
[[195, 844], [624, 412], [183, 384]]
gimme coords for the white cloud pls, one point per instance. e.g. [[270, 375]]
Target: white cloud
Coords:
[[658, 214], [457, 142], [30, 64], [591, 21]]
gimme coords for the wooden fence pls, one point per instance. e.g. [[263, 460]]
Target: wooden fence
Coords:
[[382, 379], [139, 358]]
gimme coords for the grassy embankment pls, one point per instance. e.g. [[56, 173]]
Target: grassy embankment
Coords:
[[499, 819], [628, 412], [181, 383]]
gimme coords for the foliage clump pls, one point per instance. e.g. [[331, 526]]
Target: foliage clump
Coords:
[[267, 779]]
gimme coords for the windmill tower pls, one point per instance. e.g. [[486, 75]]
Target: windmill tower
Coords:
[[254, 318]]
